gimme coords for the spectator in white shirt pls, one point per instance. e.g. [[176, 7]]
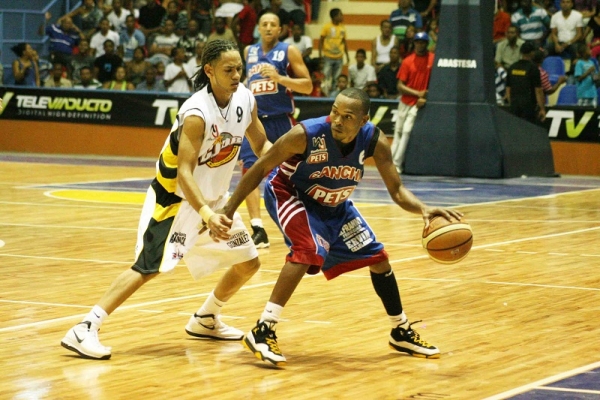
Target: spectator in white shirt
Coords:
[[98, 39], [178, 74], [117, 16], [164, 44], [302, 42], [360, 73], [195, 62], [566, 30]]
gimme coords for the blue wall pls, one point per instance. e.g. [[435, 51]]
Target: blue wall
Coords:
[[19, 22]]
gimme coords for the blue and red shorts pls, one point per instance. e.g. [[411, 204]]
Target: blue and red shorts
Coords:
[[332, 239]]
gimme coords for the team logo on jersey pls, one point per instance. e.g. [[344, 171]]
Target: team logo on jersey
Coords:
[[263, 86], [224, 149], [330, 197], [320, 154], [341, 172]]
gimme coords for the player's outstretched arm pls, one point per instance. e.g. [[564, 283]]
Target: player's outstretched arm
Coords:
[[399, 193], [290, 144]]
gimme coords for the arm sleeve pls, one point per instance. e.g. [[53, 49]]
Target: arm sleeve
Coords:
[[373, 143]]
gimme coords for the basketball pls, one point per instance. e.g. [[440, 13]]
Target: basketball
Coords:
[[447, 242]]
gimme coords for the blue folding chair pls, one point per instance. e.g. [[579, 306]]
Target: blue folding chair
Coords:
[[555, 67], [567, 96]]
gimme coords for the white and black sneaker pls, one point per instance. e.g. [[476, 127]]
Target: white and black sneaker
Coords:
[[211, 327], [84, 341], [408, 341], [262, 342]]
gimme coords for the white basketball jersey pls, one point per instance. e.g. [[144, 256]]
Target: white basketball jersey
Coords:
[[223, 135]]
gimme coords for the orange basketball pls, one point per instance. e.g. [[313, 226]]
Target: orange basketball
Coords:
[[447, 242]]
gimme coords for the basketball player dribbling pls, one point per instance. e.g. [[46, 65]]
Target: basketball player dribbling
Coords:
[[321, 161]]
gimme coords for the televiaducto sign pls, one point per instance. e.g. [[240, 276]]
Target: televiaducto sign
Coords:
[[152, 110]]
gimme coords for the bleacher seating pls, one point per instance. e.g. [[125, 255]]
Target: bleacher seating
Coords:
[[567, 96], [555, 67]]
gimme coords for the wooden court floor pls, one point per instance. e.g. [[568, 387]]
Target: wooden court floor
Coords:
[[522, 307]]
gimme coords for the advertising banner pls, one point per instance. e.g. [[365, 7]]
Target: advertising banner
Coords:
[[144, 109]]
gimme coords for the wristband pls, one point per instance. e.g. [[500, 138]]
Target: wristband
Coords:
[[205, 212]]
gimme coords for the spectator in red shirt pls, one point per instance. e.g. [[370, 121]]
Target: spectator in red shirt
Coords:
[[413, 80], [247, 19], [501, 24]]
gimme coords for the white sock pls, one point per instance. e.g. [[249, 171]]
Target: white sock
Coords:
[[272, 312], [212, 305], [401, 320], [256, 222], [96, 316]]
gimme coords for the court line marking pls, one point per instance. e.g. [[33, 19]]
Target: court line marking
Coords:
[[72, 205], [66, 259], [50, 195], [542, 382], [559, 389], [268, 283], [100, 228], [78, 184], [554, 195], [126, 307]]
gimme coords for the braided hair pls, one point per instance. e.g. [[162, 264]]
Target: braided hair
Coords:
[[212, 52]]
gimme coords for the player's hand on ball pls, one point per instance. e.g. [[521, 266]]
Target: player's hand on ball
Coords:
[[448, 213]]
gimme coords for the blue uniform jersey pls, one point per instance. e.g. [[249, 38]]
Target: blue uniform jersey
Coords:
[[272, 99], [307, 197], [323, 174]]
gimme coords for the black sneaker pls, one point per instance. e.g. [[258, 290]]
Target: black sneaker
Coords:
[[261, 341], [409, 341], [259, 237]]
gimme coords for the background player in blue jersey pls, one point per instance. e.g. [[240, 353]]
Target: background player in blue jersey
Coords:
[[320, 163], [274, 70]]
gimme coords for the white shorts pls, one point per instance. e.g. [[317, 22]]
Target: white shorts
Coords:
[[181, 239]]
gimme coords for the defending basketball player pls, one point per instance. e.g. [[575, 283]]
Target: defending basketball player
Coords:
[[193, 174], [320, 163], [267, 65]]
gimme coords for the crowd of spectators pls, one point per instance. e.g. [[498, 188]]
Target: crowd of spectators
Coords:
[[144, 37], [568, 30], [89, 45]]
